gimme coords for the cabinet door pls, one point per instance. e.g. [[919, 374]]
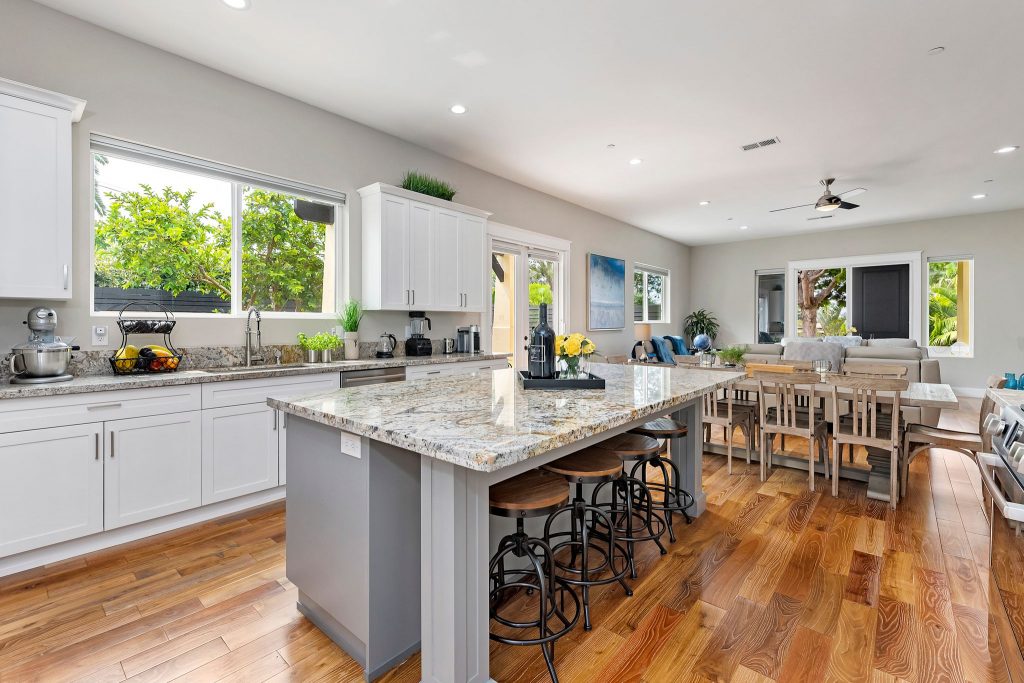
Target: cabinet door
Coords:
[[394, 253], [282, 448], [471, 262], [422, 218], [240, 446], [52, 486], [153, 467], [35, 200], [448, 295]]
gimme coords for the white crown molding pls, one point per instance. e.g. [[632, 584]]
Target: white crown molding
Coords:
[[378, 188], [54, 99]]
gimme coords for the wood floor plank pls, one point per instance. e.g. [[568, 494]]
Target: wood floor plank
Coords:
[[181, 664], [632, 659], [854, 640], [894, 638], [808, 656], [769, 636], [679, 655]]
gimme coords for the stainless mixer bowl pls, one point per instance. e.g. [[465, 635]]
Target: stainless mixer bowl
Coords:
[[40, 362]]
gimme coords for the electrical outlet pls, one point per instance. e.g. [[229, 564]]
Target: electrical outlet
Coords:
[[99, 335]]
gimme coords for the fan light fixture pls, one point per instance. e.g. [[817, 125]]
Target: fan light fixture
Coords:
[[827, 203]]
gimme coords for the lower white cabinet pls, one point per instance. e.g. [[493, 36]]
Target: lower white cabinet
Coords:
[[52, 486], [240, 451], [152, 467], [282, 449]]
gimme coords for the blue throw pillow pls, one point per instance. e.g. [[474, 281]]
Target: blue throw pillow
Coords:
[[678, 345], [662, 351]]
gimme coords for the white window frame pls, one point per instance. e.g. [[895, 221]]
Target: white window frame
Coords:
[[666, 298], [945, 351], [910, 258], [131, 151]]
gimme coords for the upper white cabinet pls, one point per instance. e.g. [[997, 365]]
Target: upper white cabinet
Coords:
[[421, 253], [35, 191]]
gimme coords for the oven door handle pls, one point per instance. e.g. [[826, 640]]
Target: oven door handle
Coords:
[[986, 464]]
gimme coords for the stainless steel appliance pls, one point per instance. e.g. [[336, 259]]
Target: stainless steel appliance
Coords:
[[386, 346], [361, 378], [418, 344], [468, 339], [1002, 475], [44, 357], [449, 345]]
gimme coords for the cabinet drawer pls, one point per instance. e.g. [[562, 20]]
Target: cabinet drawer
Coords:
[[241, 392], [426, 371], [19, 414]]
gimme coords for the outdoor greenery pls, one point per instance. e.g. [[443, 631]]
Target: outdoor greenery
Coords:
[[700, 321], [351, 315], [162, 240], [655, 285], [942, 303], [820, 288], [428, 185], [542, 280], [832, 319]]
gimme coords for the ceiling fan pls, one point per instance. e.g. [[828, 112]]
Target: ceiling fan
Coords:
[[829, 202]]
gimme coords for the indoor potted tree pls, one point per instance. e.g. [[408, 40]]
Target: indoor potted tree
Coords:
[[700, 322], [349, 318]]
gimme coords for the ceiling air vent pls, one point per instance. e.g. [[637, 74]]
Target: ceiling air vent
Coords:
[[763, 143]]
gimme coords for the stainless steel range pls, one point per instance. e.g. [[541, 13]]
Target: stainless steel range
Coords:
[[1002, 474]]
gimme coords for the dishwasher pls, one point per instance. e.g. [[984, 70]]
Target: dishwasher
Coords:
[[362, 378]]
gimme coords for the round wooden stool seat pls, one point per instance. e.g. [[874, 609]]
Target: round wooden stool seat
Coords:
[[662, 428], [589, 466], [630, 446], [530, 494]]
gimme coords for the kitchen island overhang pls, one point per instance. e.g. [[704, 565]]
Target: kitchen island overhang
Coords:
[[388, 524]]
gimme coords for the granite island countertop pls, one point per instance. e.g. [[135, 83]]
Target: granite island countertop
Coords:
[[111, 382], [489, 422]]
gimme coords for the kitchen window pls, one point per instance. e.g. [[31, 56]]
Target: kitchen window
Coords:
[[951, 306], [203, 238], [650, 294]]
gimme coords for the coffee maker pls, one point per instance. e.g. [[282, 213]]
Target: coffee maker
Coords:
[[418, 344]]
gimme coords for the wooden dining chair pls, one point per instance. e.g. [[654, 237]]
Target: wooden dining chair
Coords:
[[788, 417], [865, 428], [879, 370], [726, 414], [919, 437]]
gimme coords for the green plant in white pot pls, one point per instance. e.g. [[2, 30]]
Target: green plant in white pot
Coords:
[[349, 318]]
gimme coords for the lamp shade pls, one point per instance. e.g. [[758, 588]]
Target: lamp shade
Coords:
[[642, 331]]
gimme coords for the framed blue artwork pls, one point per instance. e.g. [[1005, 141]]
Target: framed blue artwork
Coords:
[[606, 293]]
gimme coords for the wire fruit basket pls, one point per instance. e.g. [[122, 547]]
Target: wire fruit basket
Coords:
[[129, 359]]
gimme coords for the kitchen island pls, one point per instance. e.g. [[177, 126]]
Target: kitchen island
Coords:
[[388, 527]]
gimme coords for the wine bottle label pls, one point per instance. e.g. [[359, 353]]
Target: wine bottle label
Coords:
[[537, 353]]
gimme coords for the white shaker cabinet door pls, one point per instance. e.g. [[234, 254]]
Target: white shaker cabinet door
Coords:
[[152, 467], [422, 219], [52, 486], [446, 262], [395, 289], [472, 261], [240, 451], [35, 200]]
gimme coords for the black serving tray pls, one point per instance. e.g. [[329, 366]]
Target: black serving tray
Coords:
[[591, 381]]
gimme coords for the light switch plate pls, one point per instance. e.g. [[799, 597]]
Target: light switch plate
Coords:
[[99, 335], [351, 444]]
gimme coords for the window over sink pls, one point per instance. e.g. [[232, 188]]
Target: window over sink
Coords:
[[208, 239]]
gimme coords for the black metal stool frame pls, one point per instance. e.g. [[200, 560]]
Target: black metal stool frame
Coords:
[[673, 497]]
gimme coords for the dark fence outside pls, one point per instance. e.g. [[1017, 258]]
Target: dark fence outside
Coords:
[[113, 298]]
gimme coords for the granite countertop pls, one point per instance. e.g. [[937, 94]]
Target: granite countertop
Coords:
[[489, 422], [111, 382]]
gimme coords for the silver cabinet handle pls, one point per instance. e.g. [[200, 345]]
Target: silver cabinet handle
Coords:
[[101, 406], [414, 297], [97, 445], [111, 445], [434, 372], [65, 276], [275, 420], [407, 296]]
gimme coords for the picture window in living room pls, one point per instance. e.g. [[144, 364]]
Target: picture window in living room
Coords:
[[951, 305], [650, 294]]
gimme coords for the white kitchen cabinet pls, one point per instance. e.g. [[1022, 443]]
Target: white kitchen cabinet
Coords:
[[421, 253], [240, 451], [35, 191], [282, 448], [153, 467], [52, 486]]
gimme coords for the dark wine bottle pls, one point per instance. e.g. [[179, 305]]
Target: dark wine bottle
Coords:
[[542, 348]]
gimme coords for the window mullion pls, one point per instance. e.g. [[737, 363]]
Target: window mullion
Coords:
[[236, 248], [647, 297]]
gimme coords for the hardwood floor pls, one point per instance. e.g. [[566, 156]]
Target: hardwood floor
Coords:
[[773, 583]]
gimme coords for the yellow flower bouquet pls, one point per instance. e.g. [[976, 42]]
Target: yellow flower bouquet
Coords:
[[573, 349]]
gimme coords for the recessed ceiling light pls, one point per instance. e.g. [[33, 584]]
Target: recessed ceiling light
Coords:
[[744, 227], [938, 50], [978, 196], [611, 145], [1008, 149], [704, 203], [989, 180], [635, 161], [457, 109], [236, 4]]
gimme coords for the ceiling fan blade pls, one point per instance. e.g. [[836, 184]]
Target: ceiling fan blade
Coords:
[[848, 205], [818, 218], [853, 193], [802, 206]]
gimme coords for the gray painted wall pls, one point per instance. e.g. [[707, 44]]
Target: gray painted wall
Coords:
[[141, 93], [722, 279]]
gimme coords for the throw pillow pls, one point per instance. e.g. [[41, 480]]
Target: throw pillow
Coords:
[[678, 345], [662, 351]]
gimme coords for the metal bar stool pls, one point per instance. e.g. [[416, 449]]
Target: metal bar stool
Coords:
[[631, 507], [673, 497], [531, 494], [589, 466]]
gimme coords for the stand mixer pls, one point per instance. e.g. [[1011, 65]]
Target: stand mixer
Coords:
[[44, 357]]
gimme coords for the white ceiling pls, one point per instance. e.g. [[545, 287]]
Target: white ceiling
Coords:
[[849, 87]]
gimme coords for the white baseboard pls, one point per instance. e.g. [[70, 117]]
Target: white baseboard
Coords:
[[107, 539], [969, 392]]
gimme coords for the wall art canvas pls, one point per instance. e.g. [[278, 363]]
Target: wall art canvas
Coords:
[[606, 293]]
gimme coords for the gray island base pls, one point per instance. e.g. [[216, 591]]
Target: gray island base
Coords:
[[388, 528]]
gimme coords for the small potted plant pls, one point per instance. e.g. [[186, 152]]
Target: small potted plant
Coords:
[[349, 318], [574, 350], [319, 347], [732, 355], [428, 185]]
